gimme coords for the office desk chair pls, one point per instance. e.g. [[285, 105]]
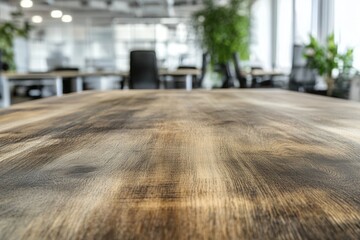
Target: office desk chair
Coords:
[[302, 78], [143, 70]]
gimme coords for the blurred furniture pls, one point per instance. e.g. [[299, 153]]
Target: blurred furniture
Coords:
[[189, 73], [204, 65], [179, 82], [143, 70], [3, 68], [261, 81], [355, 88], [228, 80], [197, 76], [68, 85], [196, 82], [239, 75], [302, 78], [259, 76], [342, 86], [58, 77], [266, 77], [3, 65]]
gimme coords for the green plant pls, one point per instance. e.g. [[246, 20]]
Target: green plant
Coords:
[[8, 32], [224, 30], [325, 58]]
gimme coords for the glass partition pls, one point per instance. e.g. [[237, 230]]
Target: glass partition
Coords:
[[107, 47]]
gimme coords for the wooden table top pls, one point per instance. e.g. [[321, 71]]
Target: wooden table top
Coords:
[[227, 164]]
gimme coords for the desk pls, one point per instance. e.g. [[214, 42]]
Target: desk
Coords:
[[79, 76], [225, 164], [56, 76], [263, 73], [259, 73], [187, 73]]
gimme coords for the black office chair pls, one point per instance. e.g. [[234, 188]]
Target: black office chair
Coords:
[[143, 70], [302, 78], [204, 65], [240, 77], [1, 69], [227, 72], [3, 65]]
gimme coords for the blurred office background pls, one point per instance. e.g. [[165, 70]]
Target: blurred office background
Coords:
[[102, 32], [96, 35]]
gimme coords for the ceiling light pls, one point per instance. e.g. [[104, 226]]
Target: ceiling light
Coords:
[[66, 18], [56, 13], [26, 3], [37, 19]]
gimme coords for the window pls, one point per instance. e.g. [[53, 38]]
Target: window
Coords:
[[174, 44], [284, 35], [289, 27], [260, 45], [303, 20], [346, 32]]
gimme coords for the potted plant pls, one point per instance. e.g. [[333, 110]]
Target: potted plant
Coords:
[[224, 30], [326, 58], [9, 30]]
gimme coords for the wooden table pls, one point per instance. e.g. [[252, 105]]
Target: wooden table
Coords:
[[58, 77], [235, 164]]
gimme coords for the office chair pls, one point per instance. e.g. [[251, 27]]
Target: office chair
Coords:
[[302, 78], [1, 69], [3, 65], [204, 65], [143, 70], [226, 70]]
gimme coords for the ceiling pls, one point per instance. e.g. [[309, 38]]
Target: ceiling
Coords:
[[113, 9]]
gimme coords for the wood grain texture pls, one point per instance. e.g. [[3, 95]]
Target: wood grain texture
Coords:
[[250, 164]]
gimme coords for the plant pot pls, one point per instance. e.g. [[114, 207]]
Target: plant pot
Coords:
[[330, 85]]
